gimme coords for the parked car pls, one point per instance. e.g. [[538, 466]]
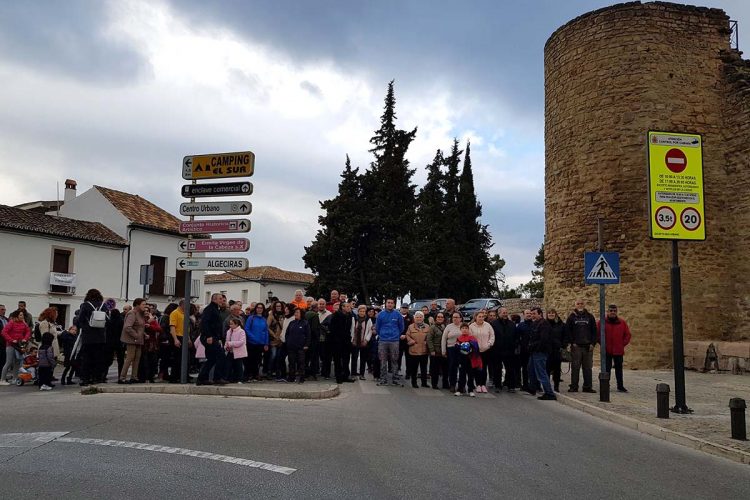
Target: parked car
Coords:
[[469, 308], [418, 304]]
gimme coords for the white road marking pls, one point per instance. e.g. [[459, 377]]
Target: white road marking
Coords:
[[35, 439], [180, 451], [28, 439]]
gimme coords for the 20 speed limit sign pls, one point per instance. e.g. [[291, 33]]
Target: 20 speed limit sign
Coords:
[[675, 186], [690, 219]]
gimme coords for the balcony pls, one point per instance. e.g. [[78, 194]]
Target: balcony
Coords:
[[175, 287], [62, 283]]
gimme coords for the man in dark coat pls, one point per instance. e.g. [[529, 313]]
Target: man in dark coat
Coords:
[[211, 337], [539, 347], [506, 344], [582, 337], [339, 339]]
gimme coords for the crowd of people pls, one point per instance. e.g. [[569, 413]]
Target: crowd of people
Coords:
[[309, 339]]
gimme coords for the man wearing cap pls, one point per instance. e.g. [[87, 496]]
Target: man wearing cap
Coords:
[[617, 335]]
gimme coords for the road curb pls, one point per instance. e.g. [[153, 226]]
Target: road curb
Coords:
[[657, 431], [287, 392]]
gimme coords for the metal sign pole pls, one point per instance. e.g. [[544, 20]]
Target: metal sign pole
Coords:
[[677, 339], [603, 375], [186, 310]]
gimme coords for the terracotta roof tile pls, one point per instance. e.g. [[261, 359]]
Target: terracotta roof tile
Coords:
[[261, 273], [25, 221], [141, 211]]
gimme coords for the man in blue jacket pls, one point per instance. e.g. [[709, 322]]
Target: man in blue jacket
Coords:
[[389, 327]]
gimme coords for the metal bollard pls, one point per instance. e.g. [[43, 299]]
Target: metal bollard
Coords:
[[737, 409], [662, 400]]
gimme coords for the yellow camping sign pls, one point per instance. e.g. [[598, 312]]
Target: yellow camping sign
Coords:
[[675, 186], [218, 166]]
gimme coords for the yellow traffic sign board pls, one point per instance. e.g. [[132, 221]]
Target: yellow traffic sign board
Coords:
[[675, 186], [219, 165]]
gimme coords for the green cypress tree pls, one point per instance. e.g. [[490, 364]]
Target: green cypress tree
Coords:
[[452, 267], [390, 196], [429, 213], [338, 254], [477, 274]]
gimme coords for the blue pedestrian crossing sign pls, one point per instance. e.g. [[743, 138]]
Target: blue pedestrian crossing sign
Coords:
[[601, 268]]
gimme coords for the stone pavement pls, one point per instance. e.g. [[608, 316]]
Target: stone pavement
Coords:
[[708, 395], [308, 390]]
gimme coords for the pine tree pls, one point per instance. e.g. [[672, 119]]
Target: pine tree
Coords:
[[390, 195], [338, 255]]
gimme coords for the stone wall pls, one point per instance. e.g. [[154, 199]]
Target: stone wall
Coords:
[[610, 76]]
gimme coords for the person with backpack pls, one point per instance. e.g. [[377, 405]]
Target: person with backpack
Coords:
[[92, 322]]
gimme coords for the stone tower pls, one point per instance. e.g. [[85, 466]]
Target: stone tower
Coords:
[[610, 76]]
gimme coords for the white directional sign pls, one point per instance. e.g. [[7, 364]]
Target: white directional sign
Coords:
[[216, 208], [213, 264]]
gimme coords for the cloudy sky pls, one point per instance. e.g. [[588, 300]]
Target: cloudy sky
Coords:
[[116, 93]]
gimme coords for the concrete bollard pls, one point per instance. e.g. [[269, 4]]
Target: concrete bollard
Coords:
[[737, 410], [662, 400]]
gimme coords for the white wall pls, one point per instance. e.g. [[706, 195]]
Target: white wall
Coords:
[[256, 291], [27, 261], [144, 244], [93, 206]]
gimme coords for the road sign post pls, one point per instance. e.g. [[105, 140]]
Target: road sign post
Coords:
[[208, 167], [602, 268], [675, 174]]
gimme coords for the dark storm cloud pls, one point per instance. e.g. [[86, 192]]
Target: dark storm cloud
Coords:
[[67, 38], [493, 48]]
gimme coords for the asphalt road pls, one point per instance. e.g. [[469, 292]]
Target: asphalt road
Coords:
[[368, 443]]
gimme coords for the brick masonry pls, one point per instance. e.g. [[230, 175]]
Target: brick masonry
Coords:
[[610, 76]]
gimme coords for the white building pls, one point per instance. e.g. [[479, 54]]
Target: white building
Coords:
[[100, 240], [256, 284]]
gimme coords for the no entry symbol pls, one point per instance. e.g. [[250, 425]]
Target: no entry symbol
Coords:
[[676, 160]]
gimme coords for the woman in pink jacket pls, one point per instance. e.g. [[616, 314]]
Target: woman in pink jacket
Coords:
[[236, 346], [14, 332]]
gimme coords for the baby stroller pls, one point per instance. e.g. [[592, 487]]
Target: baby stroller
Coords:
[[27, 372]]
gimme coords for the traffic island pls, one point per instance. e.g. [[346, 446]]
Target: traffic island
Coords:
[[708, 429], [309, 390]]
